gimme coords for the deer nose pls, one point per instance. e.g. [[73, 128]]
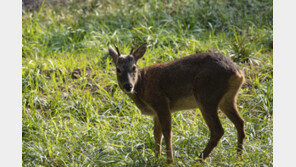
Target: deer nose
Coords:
[[127, 87]]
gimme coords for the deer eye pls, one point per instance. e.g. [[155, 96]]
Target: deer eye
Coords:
[[118, 70]]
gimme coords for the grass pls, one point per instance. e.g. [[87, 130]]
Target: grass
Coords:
[[73, 112]]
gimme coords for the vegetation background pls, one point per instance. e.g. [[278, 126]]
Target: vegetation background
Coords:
[[73, 112]]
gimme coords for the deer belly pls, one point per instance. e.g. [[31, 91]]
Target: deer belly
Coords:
[[184, 103]]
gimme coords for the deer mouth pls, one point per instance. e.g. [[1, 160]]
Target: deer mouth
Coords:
[[129, 92], [128, 88]]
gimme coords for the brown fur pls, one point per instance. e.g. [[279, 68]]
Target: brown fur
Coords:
[[208, 81]]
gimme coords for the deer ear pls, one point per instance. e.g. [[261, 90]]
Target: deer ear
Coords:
[[113, 54], [138, 53]]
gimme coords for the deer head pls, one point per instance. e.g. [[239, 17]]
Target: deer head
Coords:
[[126, 66]]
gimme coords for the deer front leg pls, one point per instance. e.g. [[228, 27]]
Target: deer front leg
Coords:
[[163, 114], [157, 136], [164, 117]]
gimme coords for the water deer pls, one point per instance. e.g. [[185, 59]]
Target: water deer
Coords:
[[207, 81]]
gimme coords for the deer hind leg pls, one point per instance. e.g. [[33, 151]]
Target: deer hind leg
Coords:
[[229, 107], [209, 90], [210, 116], [230, 110]]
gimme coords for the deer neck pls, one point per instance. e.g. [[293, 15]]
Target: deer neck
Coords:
[[138, 96]]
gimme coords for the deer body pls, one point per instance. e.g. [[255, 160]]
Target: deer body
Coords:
[[207, 81]]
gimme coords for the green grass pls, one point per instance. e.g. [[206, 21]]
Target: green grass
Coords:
[[86, 120]]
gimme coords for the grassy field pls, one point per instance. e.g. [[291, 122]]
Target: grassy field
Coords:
[[73, 112]]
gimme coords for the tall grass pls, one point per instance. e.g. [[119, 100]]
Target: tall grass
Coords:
[[73, 112]]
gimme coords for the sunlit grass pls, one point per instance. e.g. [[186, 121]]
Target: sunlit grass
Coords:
[[73, 112]]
